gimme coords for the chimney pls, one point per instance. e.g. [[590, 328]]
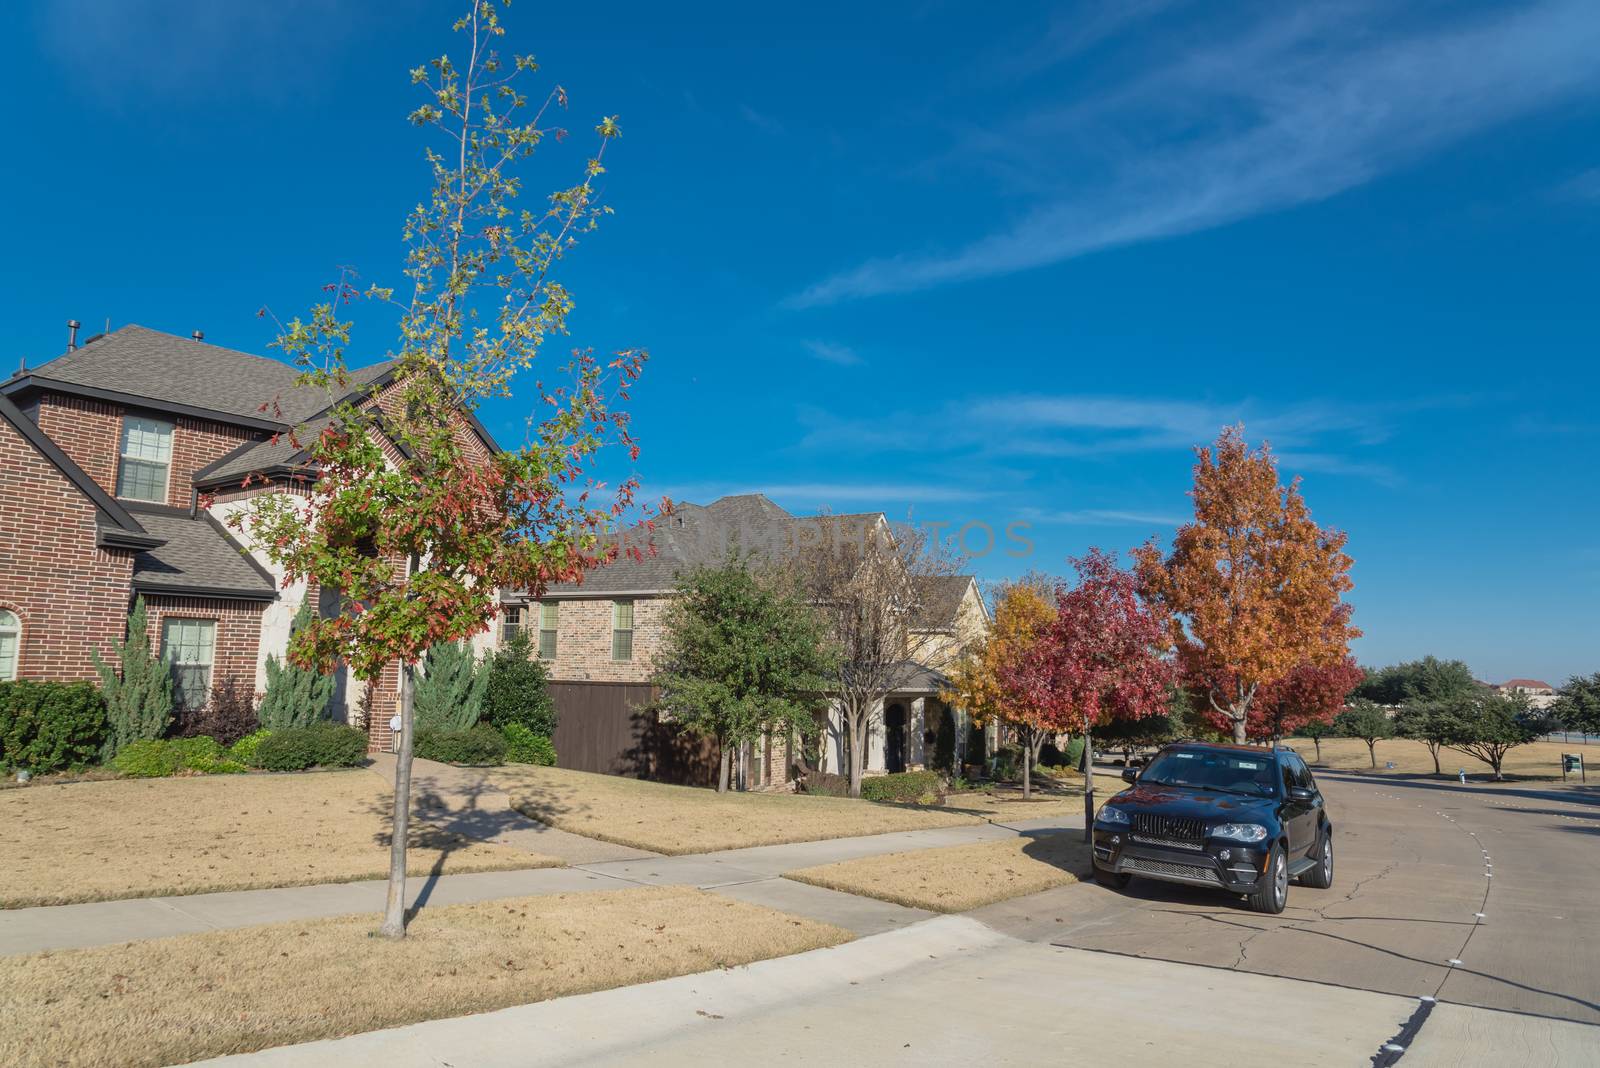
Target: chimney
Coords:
[[72, 334], [198, 335]]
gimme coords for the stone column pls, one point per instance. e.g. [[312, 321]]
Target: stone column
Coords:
[[875, 736], [916, 727]]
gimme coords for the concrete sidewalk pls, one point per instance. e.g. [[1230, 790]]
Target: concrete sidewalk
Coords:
[[946, 991], [752, 875]]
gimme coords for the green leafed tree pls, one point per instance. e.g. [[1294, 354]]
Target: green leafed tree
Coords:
[[1433, 722], [1316, 730], [518, 689], [449, 696], [1578, 707], [1489, 725], [296, 696], [138, 691], [743, 655], [1427, 679], [411, 516], [1366, 720]]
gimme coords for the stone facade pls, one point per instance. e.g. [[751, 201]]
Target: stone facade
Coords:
[[583, 639]]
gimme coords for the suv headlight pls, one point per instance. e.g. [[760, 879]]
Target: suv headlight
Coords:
[[1113, 815], [1240, 832]]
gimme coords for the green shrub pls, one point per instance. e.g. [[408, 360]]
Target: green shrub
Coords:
[[1074, 753], [449, 695], [244, 750], [918, 787], [525, 747], [139, 695], [325, 744], [476, 745], [1007, 763], [50, 726], [296, 696], [155, 758], [518, 690]]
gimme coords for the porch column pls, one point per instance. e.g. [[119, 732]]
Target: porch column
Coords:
[[916, 728], [875, 736]]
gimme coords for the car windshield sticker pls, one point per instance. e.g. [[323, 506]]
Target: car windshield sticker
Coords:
[[1249, 765], [1184, 756]]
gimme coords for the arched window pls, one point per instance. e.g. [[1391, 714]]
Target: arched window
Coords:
[[10, 644]]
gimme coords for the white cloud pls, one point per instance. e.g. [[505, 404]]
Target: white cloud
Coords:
[[1302, 108], [829, 494], [832, 352], [1104, 517]]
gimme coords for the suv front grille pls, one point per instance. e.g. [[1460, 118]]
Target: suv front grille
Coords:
[[1173, 828], [1191, 872]]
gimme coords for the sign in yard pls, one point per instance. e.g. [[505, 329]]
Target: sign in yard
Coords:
[[1573, 763]]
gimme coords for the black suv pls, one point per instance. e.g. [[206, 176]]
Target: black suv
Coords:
[[1225, 816]]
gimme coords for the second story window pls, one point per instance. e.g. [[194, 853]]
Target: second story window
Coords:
[[549, 618], [510, 623], [622, 630], [146, 457]]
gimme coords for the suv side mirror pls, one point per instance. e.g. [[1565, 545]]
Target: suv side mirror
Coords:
[[1130, 774], [1301, 793]]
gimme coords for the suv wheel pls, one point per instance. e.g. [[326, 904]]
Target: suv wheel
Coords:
[[1112, 879], [1273, 891], [1321, 876]]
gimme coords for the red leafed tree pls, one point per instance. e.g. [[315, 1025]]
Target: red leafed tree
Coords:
[[1101, 659], [1308, 694]]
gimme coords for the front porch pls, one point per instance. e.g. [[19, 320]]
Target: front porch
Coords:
[[913, 728]]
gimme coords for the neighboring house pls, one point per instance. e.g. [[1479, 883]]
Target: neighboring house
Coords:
[[121, 462], [600, 640], [1539, 694]]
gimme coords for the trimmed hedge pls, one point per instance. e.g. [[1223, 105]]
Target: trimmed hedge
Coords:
[[158, 758], [327, 745], [525, 747], [917, 787], [50, 726], [825, 784], [244, 750], [482, 744]]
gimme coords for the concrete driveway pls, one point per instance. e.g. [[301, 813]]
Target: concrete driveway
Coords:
[[1416, 863]]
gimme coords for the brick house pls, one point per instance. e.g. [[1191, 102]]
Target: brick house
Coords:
[[121, 462], [600, 640]]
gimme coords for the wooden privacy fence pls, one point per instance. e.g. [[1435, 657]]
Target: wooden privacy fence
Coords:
[[609, 727]]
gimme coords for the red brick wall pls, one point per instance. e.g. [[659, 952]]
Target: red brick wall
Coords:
[[238, 631], [90, 431], [71, 596]]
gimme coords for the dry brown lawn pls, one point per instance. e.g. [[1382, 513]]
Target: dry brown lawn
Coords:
[[173, 1000], [686, 819], [93, 841], [958, 878], [1535, 760]]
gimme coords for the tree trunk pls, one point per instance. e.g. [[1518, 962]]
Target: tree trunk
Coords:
[[1318, 743], [1433, 747], [858, 753], [1027, 764], [1088, 787], [1495, 764], [394, 912], [1372, 752], [723, 765], [1240, 717]]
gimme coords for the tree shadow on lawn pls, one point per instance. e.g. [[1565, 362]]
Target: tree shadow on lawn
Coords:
[[449, 820]]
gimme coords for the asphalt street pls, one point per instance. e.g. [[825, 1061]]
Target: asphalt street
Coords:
[[1484, 896]]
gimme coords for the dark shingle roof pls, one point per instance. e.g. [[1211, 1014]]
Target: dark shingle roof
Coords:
[[939, 599], [702, 535], [165, 368], [199, 555]]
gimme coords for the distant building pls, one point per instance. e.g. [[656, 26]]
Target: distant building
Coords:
[[1539, 694]]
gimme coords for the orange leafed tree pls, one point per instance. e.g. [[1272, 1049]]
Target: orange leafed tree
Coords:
[[1023, 610], [1253, 584]]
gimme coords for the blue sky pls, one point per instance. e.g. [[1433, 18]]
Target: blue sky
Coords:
[[983, 264]]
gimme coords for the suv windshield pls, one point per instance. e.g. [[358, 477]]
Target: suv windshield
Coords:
[[1231, 773]]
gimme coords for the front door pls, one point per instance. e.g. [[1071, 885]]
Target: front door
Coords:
[[894, 741]]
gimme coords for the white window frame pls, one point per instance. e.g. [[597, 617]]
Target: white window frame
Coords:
[[10, 627], [145, 425], [616, 631], [205, 644], [550, 623], [511, 621]]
